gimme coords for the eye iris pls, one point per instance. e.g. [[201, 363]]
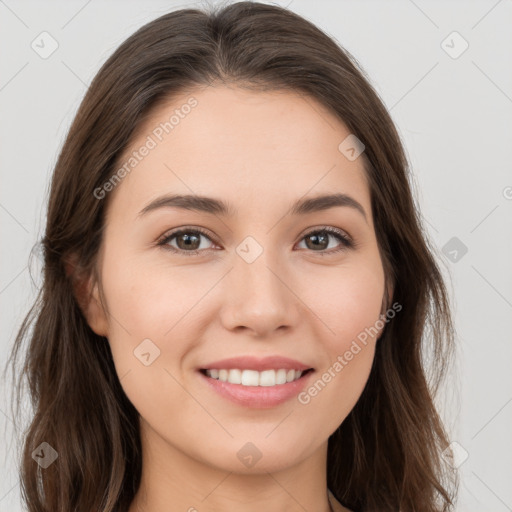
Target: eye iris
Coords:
[[321, 236], [187, 240]]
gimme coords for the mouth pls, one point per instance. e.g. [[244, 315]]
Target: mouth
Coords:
[[242, 389]]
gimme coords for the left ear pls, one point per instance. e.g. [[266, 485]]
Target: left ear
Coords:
[[86, 292]]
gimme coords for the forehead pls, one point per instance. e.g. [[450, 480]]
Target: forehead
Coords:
[[253, 149]]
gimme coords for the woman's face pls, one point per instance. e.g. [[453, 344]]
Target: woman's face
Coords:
[[261, 280]]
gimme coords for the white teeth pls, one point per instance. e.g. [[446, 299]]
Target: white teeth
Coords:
[[281, 377], [235, 376], [267, 378], [253, 377], [250, 378]]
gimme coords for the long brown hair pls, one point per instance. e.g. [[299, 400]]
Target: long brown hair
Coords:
[[387, 454]]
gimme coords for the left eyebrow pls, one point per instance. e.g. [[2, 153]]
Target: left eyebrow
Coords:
[[324, 202], [219, 207]]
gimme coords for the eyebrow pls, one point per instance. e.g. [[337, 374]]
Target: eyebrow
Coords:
[[219, 207]]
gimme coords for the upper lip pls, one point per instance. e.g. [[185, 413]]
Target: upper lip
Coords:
[[258, 364]]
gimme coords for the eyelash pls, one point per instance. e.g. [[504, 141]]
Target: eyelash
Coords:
[[346, 242]]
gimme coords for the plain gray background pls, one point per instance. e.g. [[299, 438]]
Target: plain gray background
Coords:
[[453, 110]]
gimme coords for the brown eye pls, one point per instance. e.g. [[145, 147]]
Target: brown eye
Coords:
[[318, 241], [188, 241]]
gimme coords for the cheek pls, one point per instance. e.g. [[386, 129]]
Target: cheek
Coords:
[[148, 311], [348, 300], [336, 389], [150, 301]]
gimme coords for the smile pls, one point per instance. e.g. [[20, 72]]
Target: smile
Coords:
[[261, 390]]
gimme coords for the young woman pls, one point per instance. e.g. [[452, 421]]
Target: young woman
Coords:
[[237, 287]]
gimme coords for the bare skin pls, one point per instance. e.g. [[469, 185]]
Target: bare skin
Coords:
[[259, 152]]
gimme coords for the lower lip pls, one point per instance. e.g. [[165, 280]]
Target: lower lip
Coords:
[[261, 397]]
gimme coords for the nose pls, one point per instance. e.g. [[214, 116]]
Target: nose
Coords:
[[259, 297]]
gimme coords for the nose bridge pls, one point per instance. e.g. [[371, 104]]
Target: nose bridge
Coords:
[[258, 296]]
